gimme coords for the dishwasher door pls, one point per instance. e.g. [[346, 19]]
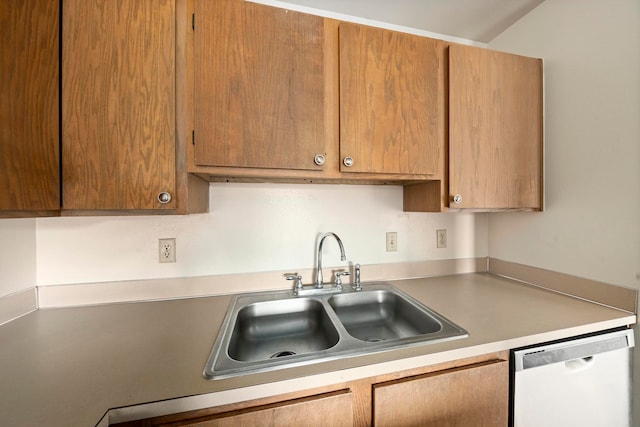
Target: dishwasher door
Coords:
[[584, 382]]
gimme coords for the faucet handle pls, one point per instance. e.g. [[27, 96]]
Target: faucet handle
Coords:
[[338, 278], [356, 283], [298, 281]]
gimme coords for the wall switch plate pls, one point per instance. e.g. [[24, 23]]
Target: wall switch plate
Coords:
[[441, 239], [167, 250], [392, 241]]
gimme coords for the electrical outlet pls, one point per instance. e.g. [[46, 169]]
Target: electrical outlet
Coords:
[[392, 241], [441, 239], [167, 250]]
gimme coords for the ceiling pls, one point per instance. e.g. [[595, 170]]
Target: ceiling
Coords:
[[477, 20]]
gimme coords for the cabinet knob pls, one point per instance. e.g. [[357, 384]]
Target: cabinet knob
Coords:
[[348, 161], [164, 197], [457, 199], [319, 159]]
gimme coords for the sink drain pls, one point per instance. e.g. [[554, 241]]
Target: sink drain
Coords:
[[282, 354], [373, 339]]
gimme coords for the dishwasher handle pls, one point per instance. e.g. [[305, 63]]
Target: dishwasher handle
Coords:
[[582, 348], [582, 364]]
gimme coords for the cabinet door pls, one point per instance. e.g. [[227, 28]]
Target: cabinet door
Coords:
[[29, 115], [334, 409], [476, 395], [391, 101], [495, 129], [259, 86], [118, 104]]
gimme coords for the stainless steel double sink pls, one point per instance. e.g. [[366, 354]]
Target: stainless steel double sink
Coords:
[[273, 330]]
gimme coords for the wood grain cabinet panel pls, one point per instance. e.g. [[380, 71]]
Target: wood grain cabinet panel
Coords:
[[29, 112], [495, 129], [259, 86], [118, 104], [460, 393], [392, 113], [471, 396], [333, 409]]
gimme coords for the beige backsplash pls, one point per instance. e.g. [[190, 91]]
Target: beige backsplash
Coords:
[[24, 302], [162, 289]]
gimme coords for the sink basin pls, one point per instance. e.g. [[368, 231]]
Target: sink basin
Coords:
[[382, 315], [265, 331], [273, 329]]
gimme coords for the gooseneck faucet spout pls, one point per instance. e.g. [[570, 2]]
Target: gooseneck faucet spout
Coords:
[[343, 257]]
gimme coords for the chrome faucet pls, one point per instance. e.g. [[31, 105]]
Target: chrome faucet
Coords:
[[343, 257]]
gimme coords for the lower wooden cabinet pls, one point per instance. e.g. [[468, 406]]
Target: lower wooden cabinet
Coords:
[[325, 409], [463, 393], [475, 395], [333, 409]]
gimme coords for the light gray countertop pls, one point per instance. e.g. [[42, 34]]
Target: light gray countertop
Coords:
[[70, 366]]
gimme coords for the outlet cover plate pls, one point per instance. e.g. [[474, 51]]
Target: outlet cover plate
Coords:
[[392, 241], [441, 238], [167, 250]]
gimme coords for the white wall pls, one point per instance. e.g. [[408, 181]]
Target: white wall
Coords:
[[252, 227], [18, 260], [591, 227]]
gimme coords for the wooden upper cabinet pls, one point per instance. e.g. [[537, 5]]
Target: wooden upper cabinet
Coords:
[[118, 104], [495, 129], [259, 86], [392, 101], [29, 112]]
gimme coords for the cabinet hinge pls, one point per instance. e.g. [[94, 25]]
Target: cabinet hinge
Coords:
[[193, 21], [193, 137]]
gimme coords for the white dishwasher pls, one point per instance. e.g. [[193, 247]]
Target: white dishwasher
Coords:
[[584, 382]]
